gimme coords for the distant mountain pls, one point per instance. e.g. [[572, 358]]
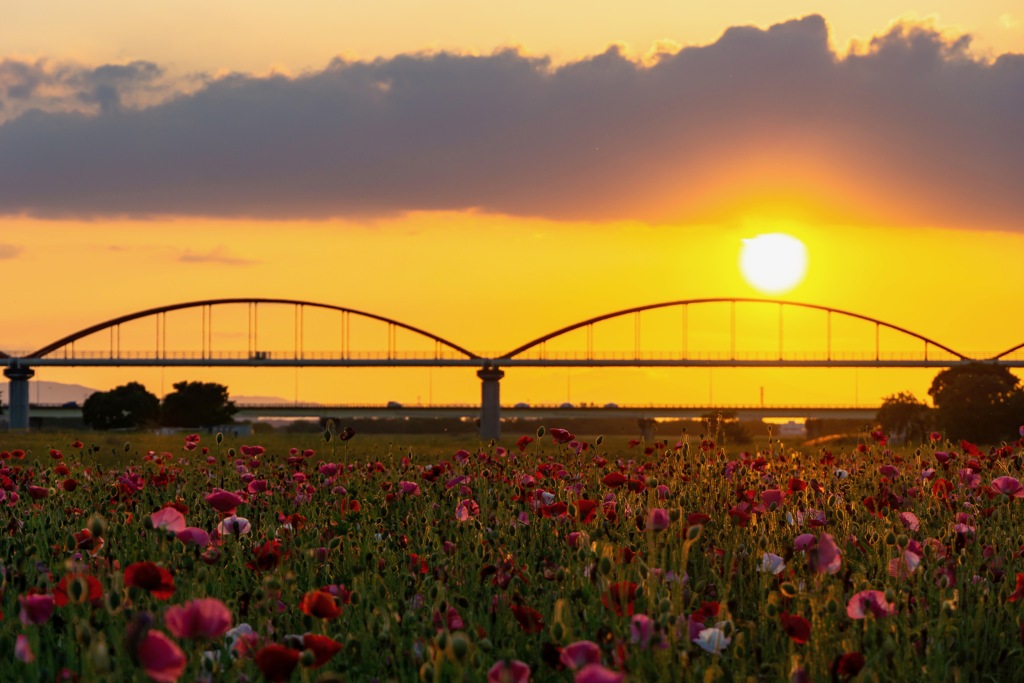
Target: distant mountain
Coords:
[[41, 391], [260, 400]]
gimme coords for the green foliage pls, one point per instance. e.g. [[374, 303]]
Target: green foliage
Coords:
[[197, 404], [977, 401], [130, 406], [904, 417]]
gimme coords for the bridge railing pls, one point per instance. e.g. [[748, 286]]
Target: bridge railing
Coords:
[[78, 354]]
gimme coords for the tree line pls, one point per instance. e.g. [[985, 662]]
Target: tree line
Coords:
[[132, 406], [979, 402]]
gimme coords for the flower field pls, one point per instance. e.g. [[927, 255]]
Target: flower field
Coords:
[[554, 559]]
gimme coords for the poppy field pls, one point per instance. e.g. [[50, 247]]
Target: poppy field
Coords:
[[556, 558]]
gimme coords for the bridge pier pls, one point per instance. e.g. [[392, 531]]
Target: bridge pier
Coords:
[[490, 402], [18, 402], [646, 425]]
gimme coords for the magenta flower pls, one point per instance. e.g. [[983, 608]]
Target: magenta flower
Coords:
[[772, 498], [595, 673], [36, 609], [561, 436], [873, 602], [910, 521], [641, 629], [162, 660], [580, 654], [22, 650], [658, 519], [224, 501], [409, 488], [907, 562], [509, 671], [822, 553], [203, 618]]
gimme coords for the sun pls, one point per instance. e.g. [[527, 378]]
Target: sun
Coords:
[[774, 262]]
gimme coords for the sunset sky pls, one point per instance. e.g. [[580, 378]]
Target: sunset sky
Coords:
[[493, 171]]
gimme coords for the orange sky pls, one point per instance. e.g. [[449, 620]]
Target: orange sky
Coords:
[[908, 218]]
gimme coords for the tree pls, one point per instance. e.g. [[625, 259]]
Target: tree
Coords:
[[976, 402], [904, 418], [130, 406], [197, 404]]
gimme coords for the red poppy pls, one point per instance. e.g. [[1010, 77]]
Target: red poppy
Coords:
[[847, 665], [556, 510], [613, 480], [561, 436], [55, 454], [796, 627], [150, 577], [620, 598], [38, 492], [320, 604], [586, 510], [69, 485], [529, 619], [523, 442], [322, 647], [267, 556], [1018, 592], [91, 590], [277, 662]]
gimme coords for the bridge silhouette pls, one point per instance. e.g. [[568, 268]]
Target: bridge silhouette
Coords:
[[441, 352]]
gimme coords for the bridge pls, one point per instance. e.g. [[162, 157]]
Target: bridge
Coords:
[[519, 411], [744, 332]]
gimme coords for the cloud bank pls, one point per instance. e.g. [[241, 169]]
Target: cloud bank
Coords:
[[913, 129]]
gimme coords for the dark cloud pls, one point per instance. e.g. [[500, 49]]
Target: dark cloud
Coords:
[[9, 251], [219, 255], [910, 129]]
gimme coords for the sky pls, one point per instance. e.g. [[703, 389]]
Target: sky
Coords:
[[493, 171]]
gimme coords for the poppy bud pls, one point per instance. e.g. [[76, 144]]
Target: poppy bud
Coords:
[[560, 574], [890, 538], [97, 525], [459, 647], [599, 440], [307, 657], [788, 589], [901, 541], [220, 437], [541, 431], [441, 640], [427, 672], [83, 633], [832, 606], [113, 601], [231, 452], [127, 446], [864, 585], [327, 435], [485, 644], [890, 595], [693, 533], [665, 606], [557, 631], [354, 597], [605, 566], [99, 653]]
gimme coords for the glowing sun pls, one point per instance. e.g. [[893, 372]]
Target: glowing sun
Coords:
[[774, 262]]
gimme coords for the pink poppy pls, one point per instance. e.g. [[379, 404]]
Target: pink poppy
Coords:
[[203, 618], [579, 654], [36, 608], [509, 671], [194, 536], [910, 521], [772, 498], [409, 488], [238, 526], [873, 602], [1008, 486], [168, 518], [466, 509], [595, 673], [910, 558], [641, 630], [822, 553], [161, 659]]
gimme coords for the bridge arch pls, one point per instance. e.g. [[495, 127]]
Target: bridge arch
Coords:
[[1008, 351], [719, 300], [114, 322]]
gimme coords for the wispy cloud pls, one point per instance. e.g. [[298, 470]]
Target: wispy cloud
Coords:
[[219, 255], [9, 251], [912, 129]]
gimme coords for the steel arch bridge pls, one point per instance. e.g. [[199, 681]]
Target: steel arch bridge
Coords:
[[445, 353]]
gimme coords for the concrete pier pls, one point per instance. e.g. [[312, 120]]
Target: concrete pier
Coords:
[[18, 401], [490, 403]]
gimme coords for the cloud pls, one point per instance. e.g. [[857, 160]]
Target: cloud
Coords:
[[219, 255], [911, 129], [9, 251], [44, 86]]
